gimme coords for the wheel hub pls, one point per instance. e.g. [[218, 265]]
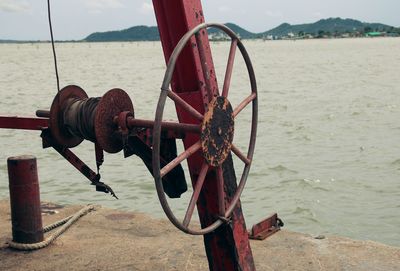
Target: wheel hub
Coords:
[[217, 131]]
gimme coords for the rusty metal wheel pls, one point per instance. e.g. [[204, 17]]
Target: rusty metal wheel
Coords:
[[217, 127]]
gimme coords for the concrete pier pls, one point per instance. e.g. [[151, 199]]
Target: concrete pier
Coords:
[[115, 240]]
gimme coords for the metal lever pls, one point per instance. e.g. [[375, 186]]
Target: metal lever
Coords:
[[77, 163]]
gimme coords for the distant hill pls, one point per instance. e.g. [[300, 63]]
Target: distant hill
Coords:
[[331, 25], [136, 33], [150, 33], [243, 33]]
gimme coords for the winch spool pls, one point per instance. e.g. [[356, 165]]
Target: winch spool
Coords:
[[75, 117]]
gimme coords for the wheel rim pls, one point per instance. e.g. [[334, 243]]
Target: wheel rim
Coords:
[[165, 92]]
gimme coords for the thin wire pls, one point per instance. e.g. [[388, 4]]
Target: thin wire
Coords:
[[52, 44]]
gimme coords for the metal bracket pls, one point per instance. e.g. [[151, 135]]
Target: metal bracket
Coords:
[[266, 228]]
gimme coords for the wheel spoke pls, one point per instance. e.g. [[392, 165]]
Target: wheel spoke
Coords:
[[196, 193], [240, 155], [229, 68], [220, 191], [185, 105], [244, 103], [184, 155]]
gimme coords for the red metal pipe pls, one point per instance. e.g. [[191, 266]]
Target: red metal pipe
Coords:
[[25, 200], [173, 126], [43, 113], [23, 123]]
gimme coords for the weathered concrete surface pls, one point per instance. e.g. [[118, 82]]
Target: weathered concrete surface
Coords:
[[113, 240]]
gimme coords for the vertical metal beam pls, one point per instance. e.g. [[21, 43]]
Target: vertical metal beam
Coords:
[[194, 80]]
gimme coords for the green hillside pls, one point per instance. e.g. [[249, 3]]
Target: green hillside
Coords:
[[150, 33], [243, 33], [331, 25], [136, 33]]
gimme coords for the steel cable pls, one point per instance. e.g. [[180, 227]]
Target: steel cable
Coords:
[[52, 44]]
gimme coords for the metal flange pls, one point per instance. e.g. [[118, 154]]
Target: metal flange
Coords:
[[57, 127], [111, 105]]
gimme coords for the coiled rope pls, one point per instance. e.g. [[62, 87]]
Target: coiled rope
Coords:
[[66, 222]]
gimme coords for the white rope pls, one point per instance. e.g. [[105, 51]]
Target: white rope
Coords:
[[66, 222]]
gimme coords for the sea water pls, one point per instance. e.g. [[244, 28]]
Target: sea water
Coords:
[[327, 157]]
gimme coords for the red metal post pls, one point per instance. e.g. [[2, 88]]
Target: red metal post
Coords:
[[26, 214], [194, 81]]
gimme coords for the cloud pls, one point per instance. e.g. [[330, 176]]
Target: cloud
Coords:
[[97, 6], [14, 6], [146, 8]]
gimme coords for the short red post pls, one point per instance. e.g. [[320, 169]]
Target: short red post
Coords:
[[26, 214]]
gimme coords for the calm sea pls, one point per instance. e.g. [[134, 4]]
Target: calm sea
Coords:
[[328, 148]]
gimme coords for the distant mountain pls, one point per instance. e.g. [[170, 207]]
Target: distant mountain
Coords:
[[331, 25], [136, 33], [243, 33], [150, 33]]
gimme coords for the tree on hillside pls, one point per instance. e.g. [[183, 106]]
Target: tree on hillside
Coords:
[[367, 29]]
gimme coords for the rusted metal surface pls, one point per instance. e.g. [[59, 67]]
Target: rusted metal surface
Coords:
[[23, 123], [57, 127], [165, 125], [226, 243], [111, 104], [266, 228], [217, 131], [26, 217]]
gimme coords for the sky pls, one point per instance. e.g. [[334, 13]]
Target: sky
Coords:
[[76, 19]]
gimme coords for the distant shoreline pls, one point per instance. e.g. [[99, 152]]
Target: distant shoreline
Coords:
[[211, 40], [324, 28]]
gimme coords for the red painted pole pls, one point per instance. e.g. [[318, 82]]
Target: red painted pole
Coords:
[[26, 214], [193, 82]]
